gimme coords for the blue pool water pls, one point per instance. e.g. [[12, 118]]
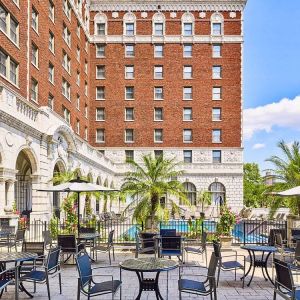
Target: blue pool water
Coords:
[[209, 226]]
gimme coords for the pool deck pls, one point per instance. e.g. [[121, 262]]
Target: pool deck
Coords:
[[228, 288]]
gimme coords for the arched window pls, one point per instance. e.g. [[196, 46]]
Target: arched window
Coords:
[[99, 180], [158, 24], [218, 193], [100, 22], [217, 24], [187, 24], [191, 193], [129, 24]]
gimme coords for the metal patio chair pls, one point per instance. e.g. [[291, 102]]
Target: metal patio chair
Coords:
[[106, 247], [285, 249], [202, 288], [86, 280], [6, 277], [171, 246], [144, 245]]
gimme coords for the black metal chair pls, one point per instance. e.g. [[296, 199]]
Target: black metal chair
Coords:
[[284, 249], [229, 265], [86, 280], [69, 246], [144, 245], [42, 273], [6, 277], [200, 250], [284, 282], [171, 246], [105, 248], [202, 288]]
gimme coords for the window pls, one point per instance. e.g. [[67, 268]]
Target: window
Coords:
[[217, 29], [100, 114], [86, 133], [78, 53], [129, 51], [216, 156], [78, 78], [51, 73], [187, 135], [100, 72], [129, 114], [100, 93], [187, 93], [50, 101], [67, 9], [66, 89], [191, 193], [77, 126], [187, 29], [187, 72], [129, 92], [158, 50], [158, 153], [13, 72], [67, 115], [66, 62], [100, 50], [187, 50], [129, 136], [9, 25], [158, 135], [67, 35], [216, 114], [78, 102], [217, 93], [51, 41], [86, 110], [216, 136], [78, 30], [217, 50], [86, 45], [187, 114], [85, 88], [218, 193], [51, 11], [100, 136], [216, 72], [3, 63], [129, 155], [129, 27], [158, 93], [3, 19], [34, 19], [14, 30], [158, 29], [85, 66], [34, 90], [129, 72], [158, 114], [101, 29], [158, 72], [34, 55], [187, 156], [8, 67]]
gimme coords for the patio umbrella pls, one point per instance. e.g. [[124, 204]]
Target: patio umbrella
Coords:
[[77, 186], [291, 192]]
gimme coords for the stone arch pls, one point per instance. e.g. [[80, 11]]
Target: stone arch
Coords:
[[159, 17], [217, 23], [218, 192], [59, 166], [191, 192], [89, 178], [105, 182], [78, 173], [99, 180], [112, 185], [100, 18], [30, 156], [187, 18]]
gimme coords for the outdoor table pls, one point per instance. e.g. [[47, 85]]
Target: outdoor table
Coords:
[[146, 265], [88, 237], [18, 258], [259, 262]]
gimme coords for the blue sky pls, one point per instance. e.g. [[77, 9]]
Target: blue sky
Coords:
[[271, 73]]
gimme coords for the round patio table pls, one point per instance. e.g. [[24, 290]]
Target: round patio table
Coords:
[[261, 262], [18, 258], [144, 265]]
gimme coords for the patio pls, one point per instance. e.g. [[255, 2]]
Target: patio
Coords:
[[228, 288]]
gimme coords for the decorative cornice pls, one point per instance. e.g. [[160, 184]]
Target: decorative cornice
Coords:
[[168, 5]]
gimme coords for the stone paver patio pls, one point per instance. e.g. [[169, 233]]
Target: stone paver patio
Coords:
[[228, 288]]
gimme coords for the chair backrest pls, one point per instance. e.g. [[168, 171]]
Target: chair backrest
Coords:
[[53, 259], [283, 274], [110, 240], [217, 249], [9, 229], [20, 234], [35, 247], [171, 243], [87, 230], [168, 232], [204, 239], [278, 240], [67, 242], [47, 237], [273, 232], [212, 267], [84, 267]]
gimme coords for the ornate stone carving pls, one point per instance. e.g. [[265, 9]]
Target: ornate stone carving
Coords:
[[202, 156], [115, 14], [28, 140], [173, 14], [144, 14], [9, 138], [232, 14], [202, 14]]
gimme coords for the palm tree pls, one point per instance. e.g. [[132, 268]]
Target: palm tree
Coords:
[[287, 169], [147, 183], [203, 198]]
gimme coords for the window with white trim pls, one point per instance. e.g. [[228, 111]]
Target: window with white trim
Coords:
[[78, 29], [66, 89], [51, 42], [85, 88], [35, 19], [9, 68], [187, 135], [77, 126], [100, 93], [187, 93], [158, 72], [217, 93], [129, 50], [216, 50], [187, 114], [216, 114], [85, 66], [129, 92], [66, 35], [158, 135], [187, 72], [67, 9], [66, 63], [216, 72], [78, 78], [159, 51], [78, 53], [187, 29], [129, 24], [129, 136], [78, 101], [129, 155], [100, 114], [158, 114], [216, 136], [34, 55], [51, 12], [100, 135], [100, 50], [100, 72], [187, 50], [187, 156], [67, 115], [34, 90], [129, 72], [51, 73], [86, 110], [50, 101], [85, 133], [217, 24], [158, 29], [158, 93], [217, 29], [158, 153], [216, 156], [14, 30], [101, 29], [9, 25], [129, 29], [129, 114]]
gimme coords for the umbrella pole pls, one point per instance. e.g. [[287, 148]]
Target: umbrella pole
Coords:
[[78, 214]]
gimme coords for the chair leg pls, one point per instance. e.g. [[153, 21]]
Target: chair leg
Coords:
[[180, 298], [205, 258], [219, 270], [78, 290], [215, 293], [109, 257], [235, 274], [59, 280], [34, 287], [274, 295], [113, 249], [48, 287]]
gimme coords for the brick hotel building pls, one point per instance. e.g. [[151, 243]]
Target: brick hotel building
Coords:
[[89, 83]]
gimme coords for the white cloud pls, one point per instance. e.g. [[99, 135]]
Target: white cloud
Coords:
[[285, 113], [258, 146]]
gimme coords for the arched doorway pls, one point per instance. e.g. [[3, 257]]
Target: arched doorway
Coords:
[[191, 193], [56, 202], [218, 193], [23, 184]]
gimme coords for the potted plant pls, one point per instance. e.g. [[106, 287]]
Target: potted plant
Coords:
[[225, 225]]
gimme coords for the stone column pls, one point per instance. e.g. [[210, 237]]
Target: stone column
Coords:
[[2, 195], [11, 193]]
